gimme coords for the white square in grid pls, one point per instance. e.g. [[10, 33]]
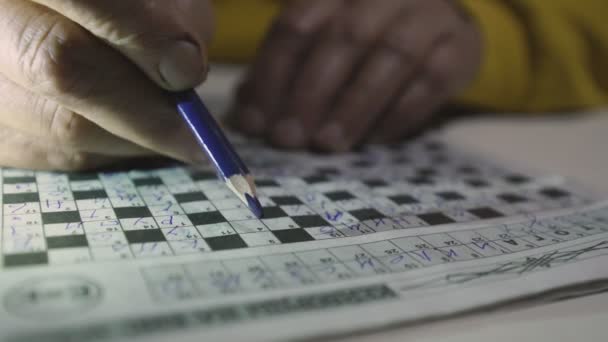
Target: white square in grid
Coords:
[[183, 188], [87, 185], [260, 239], [151, 249], [231, 203], [182, 247], [316, 257], [332, 272], [97, 215], [217, 229], [23, 232], [280, 223], [181, 233], [325, 232], [297, 210], [352, 204], [347, 253], [173, 221], [166, 209], [440, 240], [237, 214], [198, 207], [248, 226], [69, 256], [22, 220], [138, 223], [383, 224], [23, 244], [95, 203], [158, 200], [19, 188], [106, 226], [54, 206], [219, 194], [285, 261], [21, 208], [412, 243], [127, 201], [107, 239], [63, 229], [366, 266], [354, 229], [113, 252], [50, 177], [381, 248]]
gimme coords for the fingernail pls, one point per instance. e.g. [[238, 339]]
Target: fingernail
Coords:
[[290, 133], [332, 137], [252, 121], [182, 66]]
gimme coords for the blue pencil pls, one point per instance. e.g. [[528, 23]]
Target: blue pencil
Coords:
[[209, 135]]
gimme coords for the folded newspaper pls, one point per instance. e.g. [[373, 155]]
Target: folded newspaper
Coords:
[[360, 241]]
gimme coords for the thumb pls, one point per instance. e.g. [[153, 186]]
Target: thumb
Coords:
[[166, 39]]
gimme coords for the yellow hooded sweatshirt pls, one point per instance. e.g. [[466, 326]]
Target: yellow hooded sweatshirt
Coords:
[[538, 55]]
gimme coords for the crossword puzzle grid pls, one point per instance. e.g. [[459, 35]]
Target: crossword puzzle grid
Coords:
[[54, 218], [247, 275]]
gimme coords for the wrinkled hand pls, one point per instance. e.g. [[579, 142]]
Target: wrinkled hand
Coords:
[[335, 73], [83, 82]]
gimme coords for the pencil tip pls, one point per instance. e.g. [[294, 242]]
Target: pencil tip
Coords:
[[255, 206]]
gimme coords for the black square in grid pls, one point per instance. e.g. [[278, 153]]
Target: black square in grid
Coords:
[[363, 163], [554, 193], [145, 235], [316, 179], [375, 183], [68, 241], [328, 171], [339, 195], [190, 197], [485, 213], [477, 183], [84, 195], [512, 198], [517, 179], [61, 217], [18, 180], [150, 181], [367, 214], [274, 212], [451, 196], [403, 199], [426, 172], [420, 181], [401, 160], [434, 219], [434, 146], [203, 176], [25, 197], [132, 212], [286, 200], [309, 221], [266, 183], [292, 235], [468, 170], [27, 259], [220, 243], [211, 217], [78, 177]]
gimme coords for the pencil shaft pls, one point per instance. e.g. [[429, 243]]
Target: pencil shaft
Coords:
[[209, 135]]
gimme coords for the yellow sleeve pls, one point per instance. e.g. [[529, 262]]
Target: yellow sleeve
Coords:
[[241, 25], [541, 55]]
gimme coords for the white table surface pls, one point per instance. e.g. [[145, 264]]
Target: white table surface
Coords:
[[573, 145]]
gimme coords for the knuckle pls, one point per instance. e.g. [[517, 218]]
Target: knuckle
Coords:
[[404, 44], [49, 55], [356, 33], [67, 127], [293, 26], [70, 161]]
